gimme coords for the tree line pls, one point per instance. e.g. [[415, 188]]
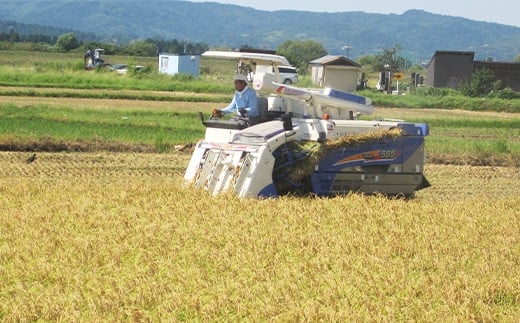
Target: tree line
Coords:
[[69, 42], [298, 52], [35, 38]]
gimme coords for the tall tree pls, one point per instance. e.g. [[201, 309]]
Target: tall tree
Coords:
[[300, 52], [389, 59], [366, 60], [67, 42], [140, 48]]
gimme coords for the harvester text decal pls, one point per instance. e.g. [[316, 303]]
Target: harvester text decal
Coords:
[[371, 156]]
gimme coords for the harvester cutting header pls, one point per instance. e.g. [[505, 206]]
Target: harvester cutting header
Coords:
[[305, 141]]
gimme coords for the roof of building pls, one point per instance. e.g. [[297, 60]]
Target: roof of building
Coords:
[[335, 60], [451, 52]]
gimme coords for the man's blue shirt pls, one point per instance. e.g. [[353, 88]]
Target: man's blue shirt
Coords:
[[247, 100]]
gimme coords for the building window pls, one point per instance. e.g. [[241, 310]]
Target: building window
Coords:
[[164, 63]]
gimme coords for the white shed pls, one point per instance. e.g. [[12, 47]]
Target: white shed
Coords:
[[179, 64], [337, 72]]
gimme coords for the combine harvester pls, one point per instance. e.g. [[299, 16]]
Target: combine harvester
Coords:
[[309, 141]]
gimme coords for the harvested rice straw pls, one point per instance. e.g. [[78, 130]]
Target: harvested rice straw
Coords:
[[305, 167]]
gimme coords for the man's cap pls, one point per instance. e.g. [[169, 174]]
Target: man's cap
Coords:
[[240, 77]]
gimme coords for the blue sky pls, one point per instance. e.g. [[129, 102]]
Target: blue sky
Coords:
[[499, 11]]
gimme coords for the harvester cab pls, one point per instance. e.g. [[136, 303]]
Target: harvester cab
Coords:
[[310, 141]]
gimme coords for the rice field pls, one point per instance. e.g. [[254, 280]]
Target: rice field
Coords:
[[118, 236]]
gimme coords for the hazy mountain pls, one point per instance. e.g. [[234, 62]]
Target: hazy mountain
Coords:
[[6, 26], [418, 32]]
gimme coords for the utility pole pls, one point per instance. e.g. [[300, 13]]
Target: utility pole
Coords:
[[347, 48]]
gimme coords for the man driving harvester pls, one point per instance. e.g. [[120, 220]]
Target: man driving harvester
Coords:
[[244, 103]]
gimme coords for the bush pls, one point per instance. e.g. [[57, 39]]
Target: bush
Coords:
[[140, 48], [506, 93], [435, 91], [481, 84], [67, 42], [183, 77]]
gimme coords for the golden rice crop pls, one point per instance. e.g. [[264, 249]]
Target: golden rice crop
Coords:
[[106, 236]]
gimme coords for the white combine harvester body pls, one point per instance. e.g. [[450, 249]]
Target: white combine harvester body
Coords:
[[307, 144]]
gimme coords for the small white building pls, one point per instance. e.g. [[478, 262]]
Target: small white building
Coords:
[[337, 72], [172, 64]]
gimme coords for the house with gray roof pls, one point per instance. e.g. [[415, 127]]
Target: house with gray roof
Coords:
[[335, 71]]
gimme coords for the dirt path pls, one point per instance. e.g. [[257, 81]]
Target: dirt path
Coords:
[[410, 113], [80, 103], [4, 89], [96, 103]]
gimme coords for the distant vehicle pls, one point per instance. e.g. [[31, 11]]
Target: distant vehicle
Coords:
[[93, 59], [288, 74], [123, 69]]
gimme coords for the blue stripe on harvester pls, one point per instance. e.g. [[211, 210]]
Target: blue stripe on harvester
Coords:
[[346, 96]]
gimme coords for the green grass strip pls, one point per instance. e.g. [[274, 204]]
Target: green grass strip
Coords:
[[107, 80], [159, 128], [449, 102]]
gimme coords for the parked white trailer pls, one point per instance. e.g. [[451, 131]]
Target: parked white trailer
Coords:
[[173, 64]]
